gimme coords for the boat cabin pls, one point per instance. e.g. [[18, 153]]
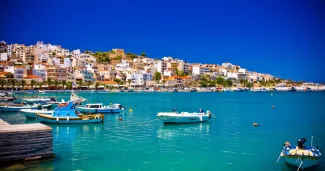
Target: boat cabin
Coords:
[[94, 106]]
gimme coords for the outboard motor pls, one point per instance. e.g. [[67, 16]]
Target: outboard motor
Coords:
[[53, 99], [301, 142]]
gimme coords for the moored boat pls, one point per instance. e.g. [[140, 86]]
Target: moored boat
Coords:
[[301, 156], [99, 108], [16, 108], [67, 114], [39, 100], [184, 117], [31, 113], [41, 92]]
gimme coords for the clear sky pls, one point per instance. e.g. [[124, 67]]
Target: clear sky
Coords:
[[280, 37]]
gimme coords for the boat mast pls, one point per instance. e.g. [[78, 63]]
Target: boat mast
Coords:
[[312, 139]]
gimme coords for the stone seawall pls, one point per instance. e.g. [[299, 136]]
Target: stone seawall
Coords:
[[25, 142]]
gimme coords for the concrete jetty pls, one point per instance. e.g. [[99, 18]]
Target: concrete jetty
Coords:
[[25, 142]]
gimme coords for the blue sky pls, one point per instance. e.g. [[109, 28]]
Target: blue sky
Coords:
[[283, 38]]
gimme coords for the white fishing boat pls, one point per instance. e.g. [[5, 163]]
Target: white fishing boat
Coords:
[[301, 156], [184, 117], [31, 113], [41, 92], [39, 100], [16, 108], [99, 108]]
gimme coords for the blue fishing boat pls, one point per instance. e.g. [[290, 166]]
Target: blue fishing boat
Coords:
[[67, 114], [301, 156]]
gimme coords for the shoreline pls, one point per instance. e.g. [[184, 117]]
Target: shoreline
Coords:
[[142, 91]]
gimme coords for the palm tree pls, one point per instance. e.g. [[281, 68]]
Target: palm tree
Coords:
[[2, 83], [80, 83], [56, 83], [32, 83], [69, 85], [96, 85], [64, 83], [49, 82], [40, 84], [13, 83], [23, 83], [129, 82], [89, 83]]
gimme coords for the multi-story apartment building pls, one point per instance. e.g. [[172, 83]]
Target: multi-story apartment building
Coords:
[[20, 72], [56, 73], [161, 66], [84, 75]]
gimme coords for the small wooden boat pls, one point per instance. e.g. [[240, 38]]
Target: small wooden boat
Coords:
[[67, 114], [184, 117], [301, 156]]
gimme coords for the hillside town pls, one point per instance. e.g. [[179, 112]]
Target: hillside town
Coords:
[[47, 66]]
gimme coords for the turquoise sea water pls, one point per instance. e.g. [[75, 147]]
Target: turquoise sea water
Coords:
[[141, 142]]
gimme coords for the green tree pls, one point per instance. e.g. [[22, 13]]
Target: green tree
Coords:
[[63, 83], [203, 81], [119, 57], [129, 82], [220, 81], [228, 83], [88, 83], [40, 84], [133, 56], [23, 83], [13, 83], [79, 84], [143, 54], [49, 82], [263, 83], [176, 72], [69, 85], [56, 83], [32, 83], [96, 85], [2, 83], [157, 76], [211, 83], [118, 81]]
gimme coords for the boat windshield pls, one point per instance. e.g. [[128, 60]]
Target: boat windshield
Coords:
[[174, 110], [93, 106]]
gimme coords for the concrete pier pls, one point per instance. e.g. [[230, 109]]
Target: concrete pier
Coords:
[[25, 142]]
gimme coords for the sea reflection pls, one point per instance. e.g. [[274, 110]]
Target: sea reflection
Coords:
[[183, 130]]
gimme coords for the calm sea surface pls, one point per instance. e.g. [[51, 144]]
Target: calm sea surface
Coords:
[[141, 142]]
